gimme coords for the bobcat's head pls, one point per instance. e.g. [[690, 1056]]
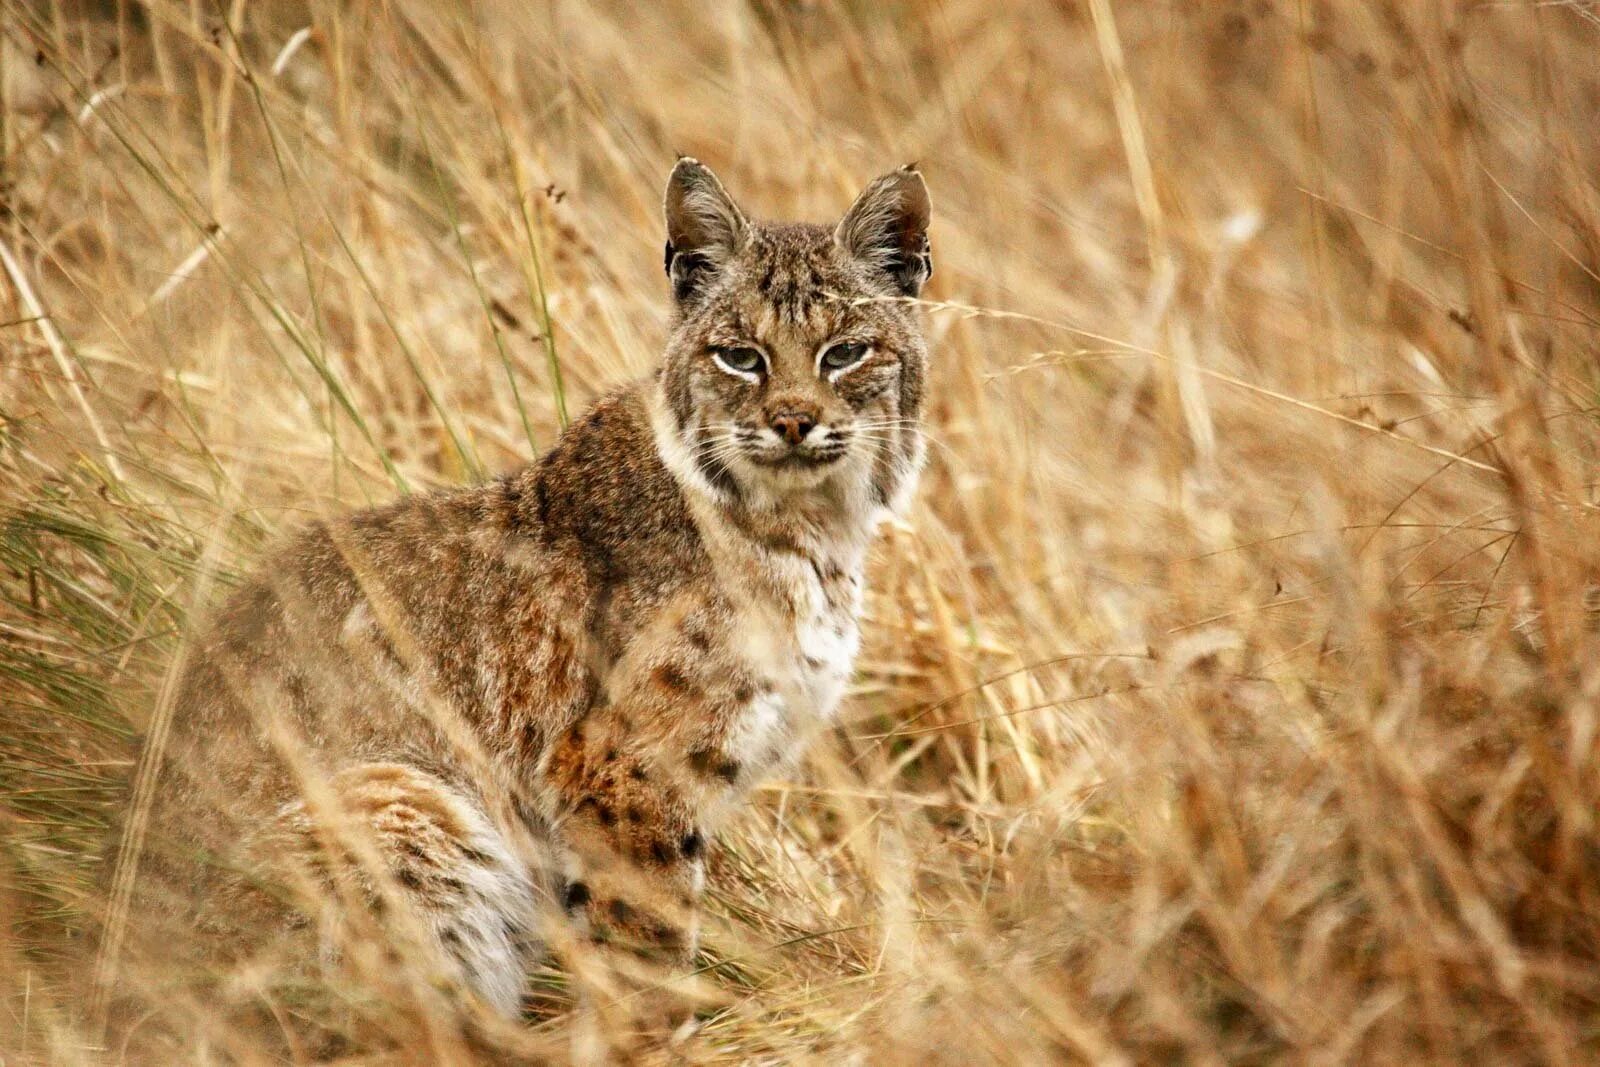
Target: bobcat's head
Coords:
[[793, 363]]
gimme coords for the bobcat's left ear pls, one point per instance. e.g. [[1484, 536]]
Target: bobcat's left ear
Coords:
[[887, 226], [704, 227]]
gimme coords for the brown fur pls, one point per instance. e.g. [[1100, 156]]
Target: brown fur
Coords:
[[545, 692]]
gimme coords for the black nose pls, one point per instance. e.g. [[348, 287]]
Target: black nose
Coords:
[[793, 426]]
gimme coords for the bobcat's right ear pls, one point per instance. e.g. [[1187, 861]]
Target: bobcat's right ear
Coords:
[[887, 227], [704, 227]]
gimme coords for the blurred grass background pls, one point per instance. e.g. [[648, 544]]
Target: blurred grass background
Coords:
[[1230, 694]]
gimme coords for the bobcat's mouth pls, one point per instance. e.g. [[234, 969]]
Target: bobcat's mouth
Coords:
[[767, 452], [796, 460], [799, 458]]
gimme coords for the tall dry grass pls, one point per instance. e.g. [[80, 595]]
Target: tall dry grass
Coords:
[[1231, 694]]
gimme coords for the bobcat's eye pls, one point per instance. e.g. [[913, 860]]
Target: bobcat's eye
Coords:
[[841, 356], [738, 360]]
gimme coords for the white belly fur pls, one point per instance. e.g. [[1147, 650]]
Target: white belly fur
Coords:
[[806, 657]]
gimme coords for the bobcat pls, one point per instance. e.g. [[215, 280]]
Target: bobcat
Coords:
[[466, 711]]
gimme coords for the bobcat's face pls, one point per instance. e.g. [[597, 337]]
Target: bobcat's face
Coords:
[[792, 362]]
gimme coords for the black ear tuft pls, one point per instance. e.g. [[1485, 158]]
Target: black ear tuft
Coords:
[[887, 226], [704, 227]]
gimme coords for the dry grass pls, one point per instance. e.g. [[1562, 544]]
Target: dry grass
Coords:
[[1232, 694]]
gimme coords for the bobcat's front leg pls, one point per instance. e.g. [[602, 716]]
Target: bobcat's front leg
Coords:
[[639, 784], [633, 833], [632, 830]]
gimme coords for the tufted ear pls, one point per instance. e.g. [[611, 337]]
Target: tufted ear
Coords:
[[887, 226], [704, 226]]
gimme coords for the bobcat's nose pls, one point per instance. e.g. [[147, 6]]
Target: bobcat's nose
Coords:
[[792, 426]]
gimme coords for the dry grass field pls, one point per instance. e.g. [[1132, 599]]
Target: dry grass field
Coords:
[[1231, 693]]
